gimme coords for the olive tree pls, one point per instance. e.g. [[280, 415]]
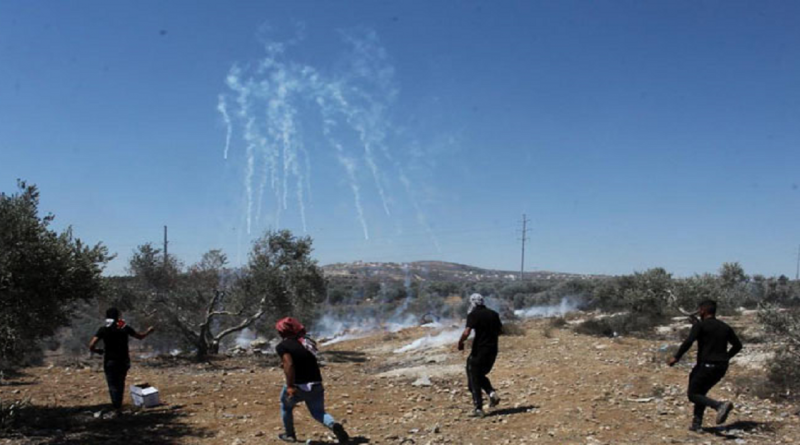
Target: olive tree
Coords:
[[282, 271], [783, 328], [208, 301], [42, 273]]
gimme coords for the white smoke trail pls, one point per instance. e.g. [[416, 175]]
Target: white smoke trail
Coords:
[[350, 167], [443, 338], [376, 175], [354, 117], [234, 83], [364, 113], [262, 185], [333, 330], [329, 124], [272, 99], [307, 173], [248, 177], [222, 107], [288, 160], [566, 306]]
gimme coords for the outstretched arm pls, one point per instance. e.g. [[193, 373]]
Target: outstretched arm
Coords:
[[685, 345], [464, 337], [142, 336]]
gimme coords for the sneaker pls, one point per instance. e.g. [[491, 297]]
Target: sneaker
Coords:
[[287, 437], [723, 411], [494, 399], [478, 414], [340, 433]]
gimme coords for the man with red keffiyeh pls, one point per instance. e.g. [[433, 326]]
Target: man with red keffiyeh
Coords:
[[298, 355], [116, 360]]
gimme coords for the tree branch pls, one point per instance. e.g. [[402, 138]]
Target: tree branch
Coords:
[[228, 313], [247, 322]]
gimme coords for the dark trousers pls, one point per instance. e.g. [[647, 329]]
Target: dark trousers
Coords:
[[116, 371], [703, 377], [479, 363]]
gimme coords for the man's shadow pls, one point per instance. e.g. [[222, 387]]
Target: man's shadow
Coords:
[[510, 411], [79, 425], [353, 441], [728, 431]]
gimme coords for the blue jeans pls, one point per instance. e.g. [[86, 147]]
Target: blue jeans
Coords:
[[315, 402]]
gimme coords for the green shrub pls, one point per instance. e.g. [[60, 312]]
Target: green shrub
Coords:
[[783, 328], [638, 324]]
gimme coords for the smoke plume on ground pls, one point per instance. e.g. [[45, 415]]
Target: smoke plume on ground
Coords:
[[567, 305]]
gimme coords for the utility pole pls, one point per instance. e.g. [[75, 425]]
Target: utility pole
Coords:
[[797, 274], [524, 239], [166, 253]]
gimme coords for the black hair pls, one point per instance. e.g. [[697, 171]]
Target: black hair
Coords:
[[112, 313], [710, 306]]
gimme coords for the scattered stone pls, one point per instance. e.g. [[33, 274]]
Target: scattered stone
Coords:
[[422, 381]]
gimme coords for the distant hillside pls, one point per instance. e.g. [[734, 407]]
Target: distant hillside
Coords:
[[430, 271]]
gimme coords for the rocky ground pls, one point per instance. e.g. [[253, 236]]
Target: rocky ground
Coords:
[[558, 387]]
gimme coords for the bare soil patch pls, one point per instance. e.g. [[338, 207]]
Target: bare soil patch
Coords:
[[559, 388]]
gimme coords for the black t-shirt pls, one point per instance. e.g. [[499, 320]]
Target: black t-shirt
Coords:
[[306, 368], [487, 326], [713, 337], [115, 342]]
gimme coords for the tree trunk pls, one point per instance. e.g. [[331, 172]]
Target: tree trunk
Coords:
[[202, 350]]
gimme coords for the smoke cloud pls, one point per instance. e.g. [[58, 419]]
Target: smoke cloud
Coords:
[[284, 107], [448, 337], [567, 305]]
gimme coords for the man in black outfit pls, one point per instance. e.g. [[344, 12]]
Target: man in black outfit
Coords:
[[488, 327], [713, 337], [116, 360]]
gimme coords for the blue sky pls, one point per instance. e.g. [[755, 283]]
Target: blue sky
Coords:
[[632, 134]]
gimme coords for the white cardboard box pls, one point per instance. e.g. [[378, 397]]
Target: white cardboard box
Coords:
[[144, 395]]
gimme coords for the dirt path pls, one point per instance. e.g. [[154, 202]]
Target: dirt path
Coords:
[[560, 388]]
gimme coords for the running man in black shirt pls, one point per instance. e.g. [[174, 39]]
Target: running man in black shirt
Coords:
[[116, 360], [488, 327], [713, 337], [303, 380]]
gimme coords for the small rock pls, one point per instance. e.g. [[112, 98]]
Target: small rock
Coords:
[[422, 381]]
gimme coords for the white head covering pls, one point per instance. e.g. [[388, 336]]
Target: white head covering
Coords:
[[475, 300]]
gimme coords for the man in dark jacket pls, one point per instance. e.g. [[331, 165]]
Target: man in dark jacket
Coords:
[[303, 380], [116, 360], [713, 355], [488, 327]]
